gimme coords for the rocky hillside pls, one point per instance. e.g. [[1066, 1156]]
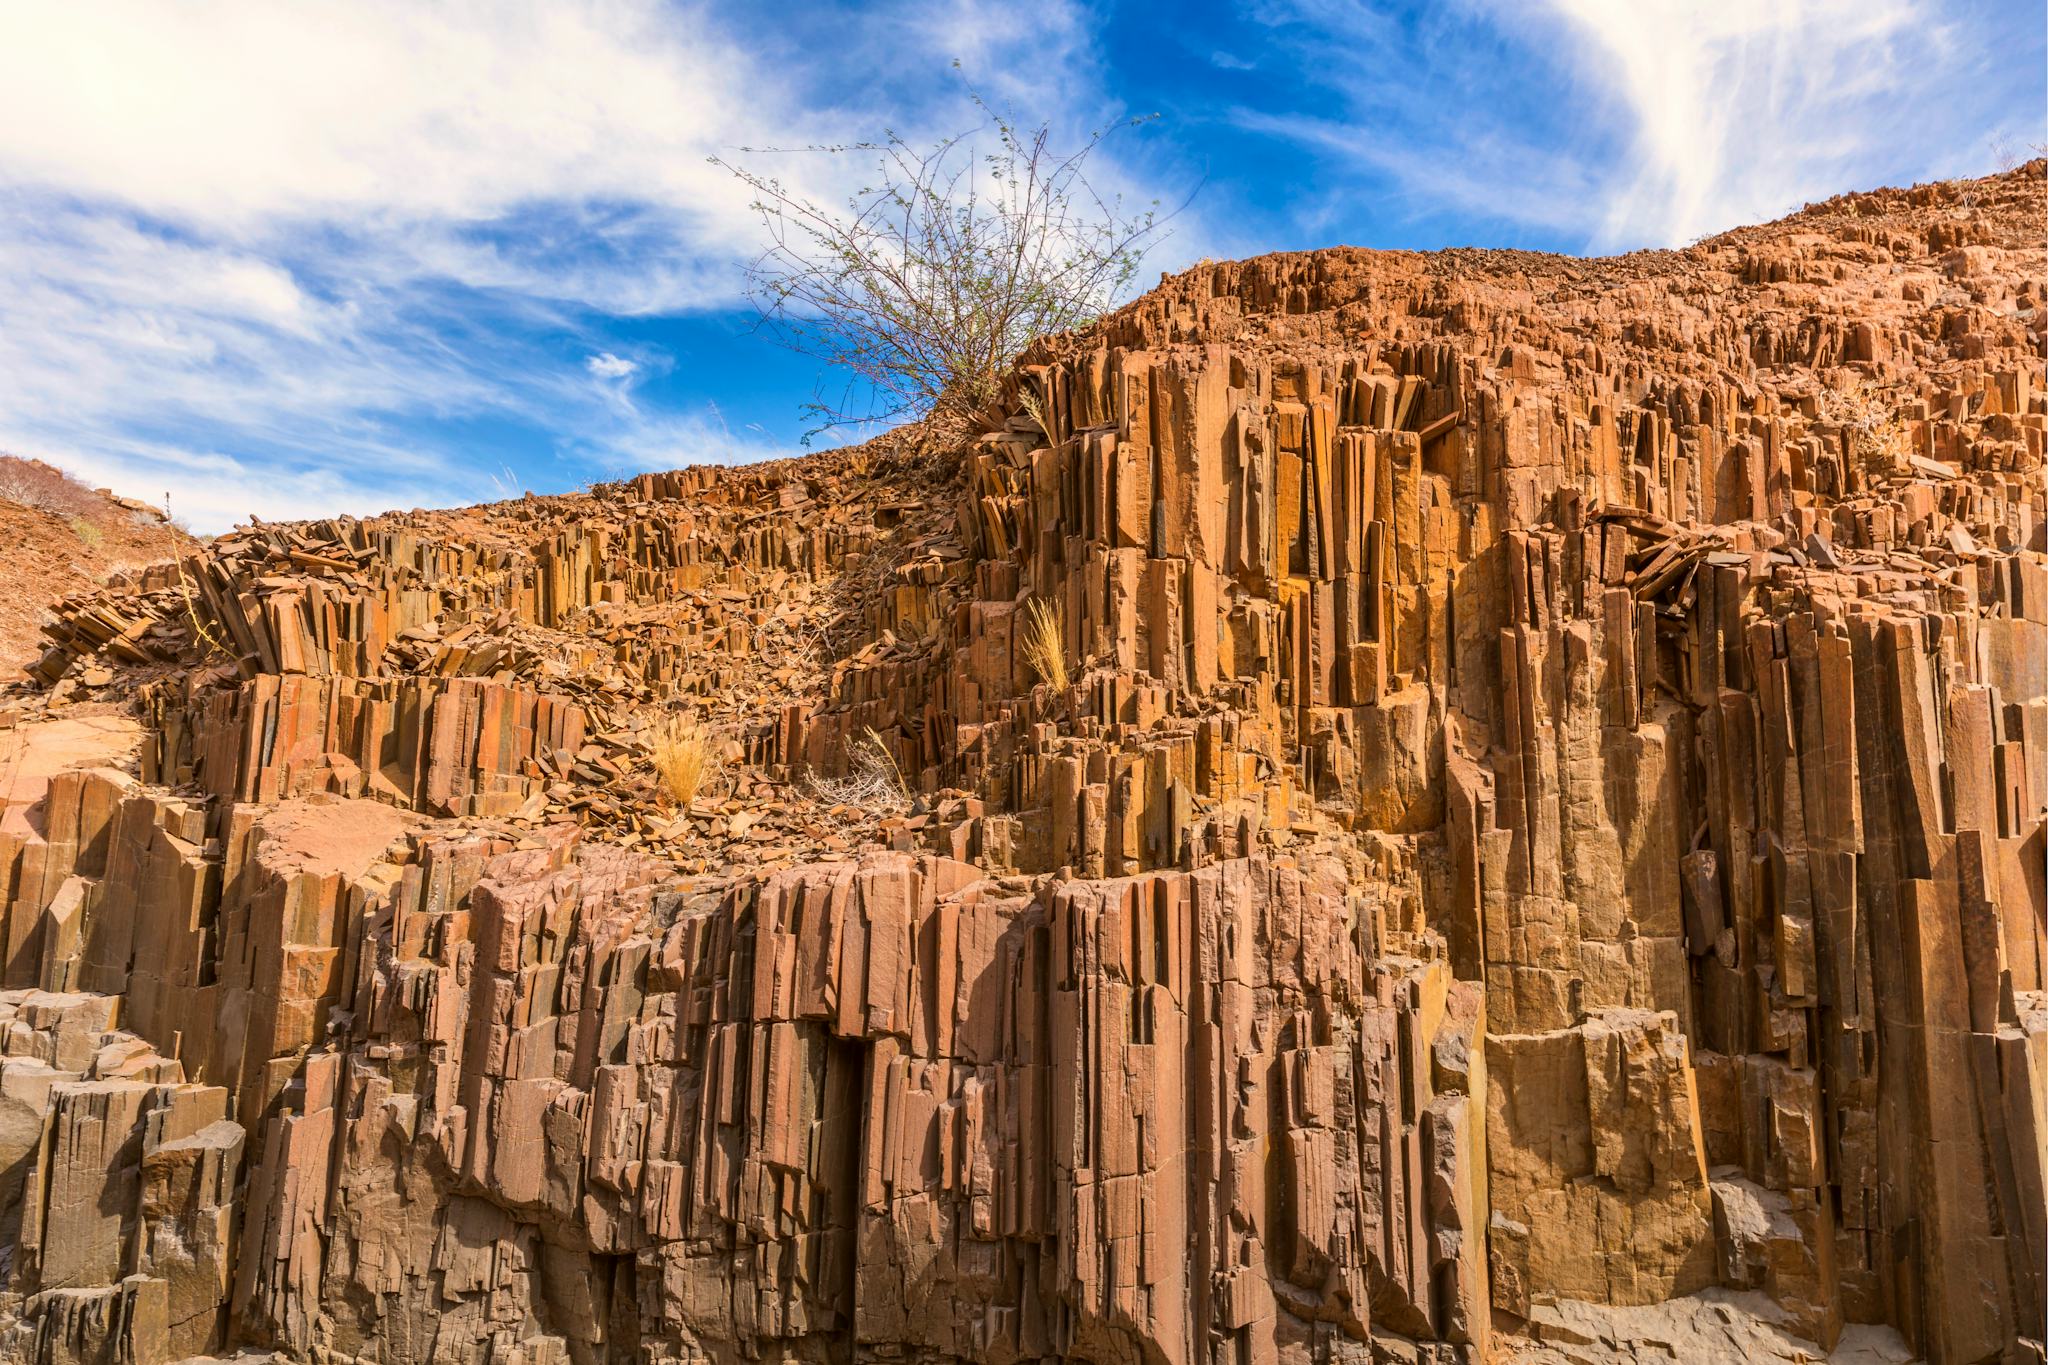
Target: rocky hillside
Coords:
[[64, 538], [1423, 808]]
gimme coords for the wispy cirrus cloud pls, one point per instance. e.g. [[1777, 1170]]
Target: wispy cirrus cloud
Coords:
[[1615, 124], [1743, 110]]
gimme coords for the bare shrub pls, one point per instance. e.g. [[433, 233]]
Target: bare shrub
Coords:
[[1045, 642], [1879, 439], [872, 782], [44, 488], [936, 273]]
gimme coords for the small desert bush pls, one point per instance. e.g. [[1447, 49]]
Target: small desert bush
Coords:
[[873, 782], [85, 530], [1045, 642], [685, 758], [44, 488], [1879, 439]]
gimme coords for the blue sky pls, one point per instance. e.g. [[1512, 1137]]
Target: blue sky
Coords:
[[288, 260]]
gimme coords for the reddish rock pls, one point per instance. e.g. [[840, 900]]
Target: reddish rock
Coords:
[[1539, 849]]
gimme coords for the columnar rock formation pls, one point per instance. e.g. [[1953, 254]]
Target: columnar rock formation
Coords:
[[1546, 810]]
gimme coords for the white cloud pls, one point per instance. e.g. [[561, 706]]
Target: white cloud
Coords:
[[118, 345], [403, 130], [605, 365], [1489, 175], [1742, 109], [239, 112], [321, 256], [1619, 124]]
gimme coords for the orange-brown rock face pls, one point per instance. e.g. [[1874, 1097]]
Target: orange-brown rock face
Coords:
[[1538, 849]]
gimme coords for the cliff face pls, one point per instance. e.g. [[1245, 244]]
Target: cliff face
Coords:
[[1544, 818]]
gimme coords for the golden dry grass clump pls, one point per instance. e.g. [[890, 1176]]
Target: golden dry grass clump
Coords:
[[685, 756], [1045, 642]]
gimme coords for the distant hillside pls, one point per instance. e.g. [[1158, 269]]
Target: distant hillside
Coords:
[[62, 538]]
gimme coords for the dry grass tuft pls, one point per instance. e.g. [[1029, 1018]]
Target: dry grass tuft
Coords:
[[1035, 410], [202, 634], [1045, 642], [685, 756]]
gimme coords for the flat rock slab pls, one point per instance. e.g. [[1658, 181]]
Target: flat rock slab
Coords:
[[1714, 1327], [328, 836]]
